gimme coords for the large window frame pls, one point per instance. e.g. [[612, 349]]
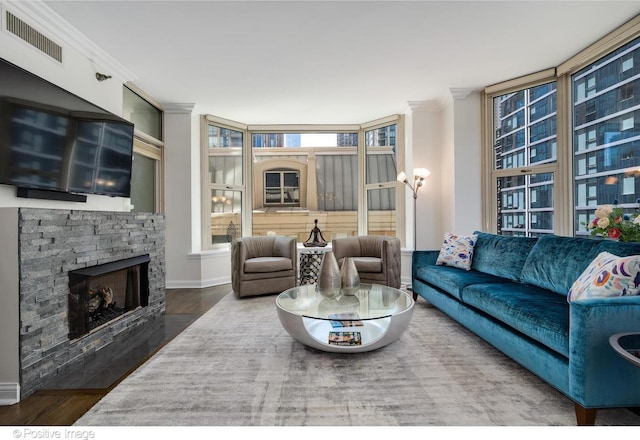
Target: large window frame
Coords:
[[150, 146], [564, 205], [253, 183]]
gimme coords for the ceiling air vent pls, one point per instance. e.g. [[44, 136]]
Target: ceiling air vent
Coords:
[[33, 37]]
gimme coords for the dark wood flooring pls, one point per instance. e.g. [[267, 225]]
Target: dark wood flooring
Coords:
[[73, 392]]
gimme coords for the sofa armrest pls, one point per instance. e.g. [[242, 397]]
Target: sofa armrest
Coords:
[[421, 259], [598, 376]]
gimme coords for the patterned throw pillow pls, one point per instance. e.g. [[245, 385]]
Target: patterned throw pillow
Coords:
[[457, 250], [608, 275]]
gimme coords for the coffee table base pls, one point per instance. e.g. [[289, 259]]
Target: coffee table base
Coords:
[[375, 333]]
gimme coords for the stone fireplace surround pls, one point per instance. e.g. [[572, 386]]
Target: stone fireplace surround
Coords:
[[51, 243]]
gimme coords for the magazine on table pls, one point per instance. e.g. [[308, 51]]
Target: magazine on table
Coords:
[[345, 338], [345, 320]]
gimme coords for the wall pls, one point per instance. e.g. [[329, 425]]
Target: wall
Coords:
[[9, 318], [467, 163]]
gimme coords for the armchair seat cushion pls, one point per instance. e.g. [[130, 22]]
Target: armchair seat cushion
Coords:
[[267, 264], [368, 264]]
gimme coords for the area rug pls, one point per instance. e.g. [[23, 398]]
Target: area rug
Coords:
[[236, 366]]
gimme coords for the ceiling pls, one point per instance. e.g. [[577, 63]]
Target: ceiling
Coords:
[[330, 62]]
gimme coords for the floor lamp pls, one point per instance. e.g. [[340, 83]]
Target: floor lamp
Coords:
[[419, 175]]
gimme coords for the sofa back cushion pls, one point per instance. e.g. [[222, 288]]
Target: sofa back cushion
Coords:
[[501, 255], [556, 262]]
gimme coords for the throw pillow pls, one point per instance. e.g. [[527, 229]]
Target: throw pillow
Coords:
[[606, 276], [457, 251]]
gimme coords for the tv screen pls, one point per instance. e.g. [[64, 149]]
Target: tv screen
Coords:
[[100, 161], [53, 140]]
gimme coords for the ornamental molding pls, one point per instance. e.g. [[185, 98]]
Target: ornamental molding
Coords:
[[460, 93], [178, 107], [424, 106]]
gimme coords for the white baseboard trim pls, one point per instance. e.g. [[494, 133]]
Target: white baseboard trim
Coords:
[[196, 284], [9, 393]]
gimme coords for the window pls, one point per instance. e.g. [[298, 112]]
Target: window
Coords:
[[582, 148], [146, 170], [523, 172], [294, 176], [282, 188], [381, 173], [225, 186], [612, 155]]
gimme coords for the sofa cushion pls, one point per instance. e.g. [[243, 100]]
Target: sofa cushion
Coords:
[[501, 255], [457, 251], [267, 264], [607, 275], [538, 313], [452, 280], [555, 262]]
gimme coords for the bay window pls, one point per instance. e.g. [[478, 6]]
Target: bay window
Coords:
[[265, 180]]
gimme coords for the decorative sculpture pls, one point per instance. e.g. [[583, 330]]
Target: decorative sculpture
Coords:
[[318, 239]]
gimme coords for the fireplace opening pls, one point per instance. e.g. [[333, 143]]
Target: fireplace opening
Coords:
[[99, 294]]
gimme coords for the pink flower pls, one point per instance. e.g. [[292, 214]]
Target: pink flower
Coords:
[[613, 233]]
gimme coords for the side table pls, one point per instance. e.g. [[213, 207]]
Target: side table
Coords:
[[310, 260], [627, 345]]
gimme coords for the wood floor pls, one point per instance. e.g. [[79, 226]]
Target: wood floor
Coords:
[[66, 401]]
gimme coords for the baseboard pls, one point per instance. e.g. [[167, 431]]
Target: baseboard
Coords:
[[9, 393], [197, 284]]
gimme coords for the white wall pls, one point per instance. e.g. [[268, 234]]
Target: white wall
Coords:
[[9, 305], [426, 153], [467, 163], [183, 268]]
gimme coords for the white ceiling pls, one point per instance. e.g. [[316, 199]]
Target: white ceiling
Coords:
[[301, 62]]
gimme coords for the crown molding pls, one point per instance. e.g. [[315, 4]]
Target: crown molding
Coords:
[[460, 93], [178, 107], [59, 28], [424, 106]]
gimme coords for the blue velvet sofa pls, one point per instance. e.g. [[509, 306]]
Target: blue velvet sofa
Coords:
[[515, 298]]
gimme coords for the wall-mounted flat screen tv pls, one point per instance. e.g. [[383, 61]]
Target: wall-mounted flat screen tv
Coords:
[[53, 140]]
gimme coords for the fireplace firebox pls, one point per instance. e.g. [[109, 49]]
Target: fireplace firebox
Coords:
[[99, 294]]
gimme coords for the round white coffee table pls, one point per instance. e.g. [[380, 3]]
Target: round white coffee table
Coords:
[[372, 318]]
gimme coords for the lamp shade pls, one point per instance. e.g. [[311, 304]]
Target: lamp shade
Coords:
[[402, 177], [421, 173]]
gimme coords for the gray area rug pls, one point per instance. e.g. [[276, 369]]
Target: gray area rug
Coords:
[[236, 366]]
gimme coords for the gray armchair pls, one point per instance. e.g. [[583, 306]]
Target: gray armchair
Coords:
[[377, 257], [263, 265]]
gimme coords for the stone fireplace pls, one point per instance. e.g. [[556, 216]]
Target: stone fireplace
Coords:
[[99, 294], [115, 259]]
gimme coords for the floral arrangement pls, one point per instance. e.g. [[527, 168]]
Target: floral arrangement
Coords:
[[613, 223]]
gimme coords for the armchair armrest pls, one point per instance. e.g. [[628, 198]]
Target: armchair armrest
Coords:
[[238, 254], [598, 376]]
